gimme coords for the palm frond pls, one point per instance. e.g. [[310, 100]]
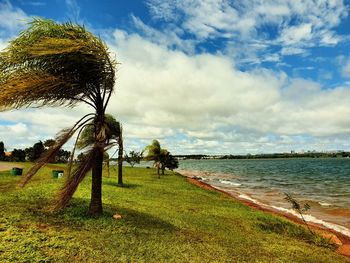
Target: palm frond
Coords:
[[55, 64], [27, 88], [72, 182], [70, 163], [50, 154]]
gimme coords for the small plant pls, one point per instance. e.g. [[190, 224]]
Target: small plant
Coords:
[[133, 158], [300, 209]]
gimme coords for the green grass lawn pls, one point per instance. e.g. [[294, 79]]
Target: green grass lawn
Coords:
[[164, 220]]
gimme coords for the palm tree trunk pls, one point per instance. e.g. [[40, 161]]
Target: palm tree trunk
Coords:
[[95, 208], [120, 171], [158, 171], [108, 172], [120, 159]]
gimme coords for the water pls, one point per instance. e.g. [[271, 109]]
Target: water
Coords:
[[322, 183]]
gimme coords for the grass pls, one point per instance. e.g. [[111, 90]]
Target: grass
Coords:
[[163, 220]]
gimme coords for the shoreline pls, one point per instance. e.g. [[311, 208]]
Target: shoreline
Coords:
[[340, 239]]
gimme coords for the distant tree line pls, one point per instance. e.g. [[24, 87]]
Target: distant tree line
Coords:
[[309, 154], [33, 153], [289, 155]]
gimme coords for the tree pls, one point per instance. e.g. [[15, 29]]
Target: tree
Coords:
[[171, 162], [49, 143], [18, 155], [133, 158], [2, 151], [51, 64], [155, 153], [80, 157], [62, 156], [33, 153], [112, 135], [29, 152], [38, 149]]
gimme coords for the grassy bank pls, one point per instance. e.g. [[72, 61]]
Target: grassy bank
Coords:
[[164, 220]]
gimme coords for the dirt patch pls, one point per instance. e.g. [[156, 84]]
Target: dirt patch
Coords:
[[4, 166], [344, 250]]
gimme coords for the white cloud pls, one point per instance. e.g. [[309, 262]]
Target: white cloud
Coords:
[[297, 25], [325, 75], [286, 51], [33, 3], [168, 38], [162, 93], [296, 34], [346, 68], [12, 19], [28, 126]]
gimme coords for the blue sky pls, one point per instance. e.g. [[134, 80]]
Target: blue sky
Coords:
[[208, 76]]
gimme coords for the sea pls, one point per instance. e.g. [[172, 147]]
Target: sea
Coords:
[[322, 183]]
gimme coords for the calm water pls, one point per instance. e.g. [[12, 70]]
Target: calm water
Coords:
[[323, 183]]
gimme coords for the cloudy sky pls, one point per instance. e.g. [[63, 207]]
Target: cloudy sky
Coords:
[[208, 76]]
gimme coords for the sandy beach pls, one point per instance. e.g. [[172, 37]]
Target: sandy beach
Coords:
[[342, 240]]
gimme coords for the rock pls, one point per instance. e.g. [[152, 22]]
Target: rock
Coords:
[[344, 250], [117, 216], [332, 238]]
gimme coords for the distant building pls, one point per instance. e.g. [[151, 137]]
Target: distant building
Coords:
[[8, 154]]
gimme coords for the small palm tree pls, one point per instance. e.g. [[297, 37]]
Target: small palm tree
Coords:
[[155, 153], [51, 64], [112, 137]]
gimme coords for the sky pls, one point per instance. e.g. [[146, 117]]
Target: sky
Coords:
[[207, 76]]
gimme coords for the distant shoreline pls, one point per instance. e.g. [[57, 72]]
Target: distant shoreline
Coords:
[[337, 154]]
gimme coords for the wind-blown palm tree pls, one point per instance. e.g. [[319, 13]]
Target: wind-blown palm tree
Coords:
[[155, 153], [51, 64]]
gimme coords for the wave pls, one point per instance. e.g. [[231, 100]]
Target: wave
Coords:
[[324, 204], [229, 183], [246, 197]]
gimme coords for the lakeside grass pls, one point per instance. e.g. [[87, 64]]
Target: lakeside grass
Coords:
[[163, 220]]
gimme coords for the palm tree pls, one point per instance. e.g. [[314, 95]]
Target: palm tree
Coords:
[[112, 137], [120, 157], [51, 64], [155, 153]]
